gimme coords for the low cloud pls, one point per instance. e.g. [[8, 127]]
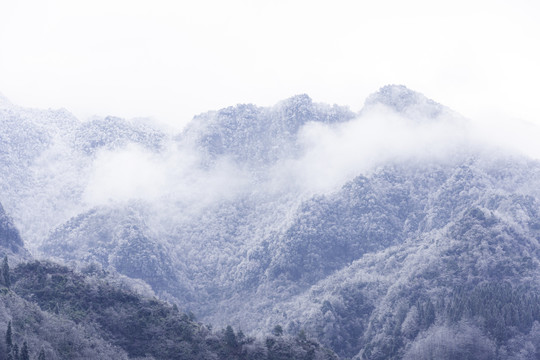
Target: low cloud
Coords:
[[336, 154], [175, 174], [123, 175], [330, 156]]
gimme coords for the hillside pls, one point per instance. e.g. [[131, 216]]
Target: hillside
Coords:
[[397, 232], [49, 311]]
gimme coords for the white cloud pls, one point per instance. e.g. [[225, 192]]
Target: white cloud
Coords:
[[331, 156], [174, 176], [131, 173], [336, 154]]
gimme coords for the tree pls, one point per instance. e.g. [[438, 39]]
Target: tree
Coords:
[[9, 339], [409, 327], [24, 352], [230, 337], [5, 272], [240, 336], [277, 331], [41, 355]]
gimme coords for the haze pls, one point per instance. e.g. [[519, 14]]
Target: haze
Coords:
[[171, 60]]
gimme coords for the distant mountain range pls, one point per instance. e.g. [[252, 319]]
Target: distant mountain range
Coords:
[[391, 233]]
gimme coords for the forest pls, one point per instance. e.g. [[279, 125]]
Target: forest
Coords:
[[295, 231]]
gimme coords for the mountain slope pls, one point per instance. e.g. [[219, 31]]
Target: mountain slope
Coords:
[[57, 313], [259, 136], [47, 157], [424, 244], [10, 240], [460, 239], [67, 315]]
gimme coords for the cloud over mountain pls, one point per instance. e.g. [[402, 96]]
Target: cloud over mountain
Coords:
[[368, 231]]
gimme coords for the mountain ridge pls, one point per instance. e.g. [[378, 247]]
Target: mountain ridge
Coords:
[[53, 312], [396, 259]]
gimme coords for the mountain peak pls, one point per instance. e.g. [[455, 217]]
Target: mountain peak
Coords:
[[405, 101], [260, 135], [397, 97], [297, 100]]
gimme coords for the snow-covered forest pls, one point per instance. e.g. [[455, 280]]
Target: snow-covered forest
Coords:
[[296, 231]]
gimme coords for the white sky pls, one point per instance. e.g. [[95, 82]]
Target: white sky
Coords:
[[174, 59]]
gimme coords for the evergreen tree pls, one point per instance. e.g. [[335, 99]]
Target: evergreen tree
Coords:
[[24, 352], [240, 336], [16, 352], [9, 340], [41, 355], [5, 272], [230, 337], [278, 330]]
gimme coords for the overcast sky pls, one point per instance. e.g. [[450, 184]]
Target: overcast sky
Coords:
[[174, 59]]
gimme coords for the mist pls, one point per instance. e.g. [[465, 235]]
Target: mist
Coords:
[[173, 175], [329, 156], [180, 177]]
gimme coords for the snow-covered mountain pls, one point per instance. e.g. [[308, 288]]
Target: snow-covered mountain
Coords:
[[10, 241], [49, 311], [256, 135], [395, 232], [47, 157]]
